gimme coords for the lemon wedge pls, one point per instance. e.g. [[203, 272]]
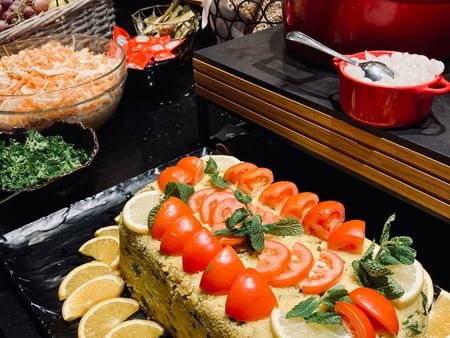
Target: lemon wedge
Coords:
[[104, 249], [110, 230], [91, 293], [297, 327], [136, 210], [439, 321], [80, 275], [136, 328], [105, 315], [223, 161], [411, 279]]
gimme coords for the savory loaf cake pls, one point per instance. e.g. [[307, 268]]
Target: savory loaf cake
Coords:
[[173, 297]]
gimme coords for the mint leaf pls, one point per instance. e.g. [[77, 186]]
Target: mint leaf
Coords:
[[180, 190], [387, 286], [304, 309], [404, 254], [324, 318], [241, 197], [238, 216], [337, 293], [256, 233], [375, 268], [211, 166], [284, 227], [231, 232], [152, 214], [387, 259], [385, 234], [218, 181]]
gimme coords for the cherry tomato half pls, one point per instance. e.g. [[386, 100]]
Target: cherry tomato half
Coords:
[[177, 234], [255, 180], [195, 166], [266, 215], [273, 260], [173, 174], [349, 236], [323, 218], [301, 263], [169, 212], [233, 241], [250, 297], [276, 194], [355, 320], [298, 205], [221, 271], [325, 273], [377, 307], [210, 202], [199, 250], [233, 173]]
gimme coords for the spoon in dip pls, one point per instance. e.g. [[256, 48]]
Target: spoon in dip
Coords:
[[373, 70]]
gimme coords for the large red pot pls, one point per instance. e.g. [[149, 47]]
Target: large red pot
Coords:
[[350, 26]]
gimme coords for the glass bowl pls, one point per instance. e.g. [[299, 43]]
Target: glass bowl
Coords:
[[82, 87]]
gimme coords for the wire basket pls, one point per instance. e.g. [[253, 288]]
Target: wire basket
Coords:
[[90, 17], [233, 18]]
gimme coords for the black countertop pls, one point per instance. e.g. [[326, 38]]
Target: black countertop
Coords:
[[153, 126]]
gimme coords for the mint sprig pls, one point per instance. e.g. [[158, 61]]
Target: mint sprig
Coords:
[[212, 171], [320, 310], [370, 270]]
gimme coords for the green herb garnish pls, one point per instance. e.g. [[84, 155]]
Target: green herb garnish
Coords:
[[412, 326], [212, 171], [37, 160], [370, 269], [321, 310]]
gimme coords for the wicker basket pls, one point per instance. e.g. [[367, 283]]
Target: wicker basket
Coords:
[[91, 17]]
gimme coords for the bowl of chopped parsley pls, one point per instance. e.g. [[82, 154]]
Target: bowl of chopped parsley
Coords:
[[31, 159]]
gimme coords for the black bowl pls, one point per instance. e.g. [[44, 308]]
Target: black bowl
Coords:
[[80, 136]]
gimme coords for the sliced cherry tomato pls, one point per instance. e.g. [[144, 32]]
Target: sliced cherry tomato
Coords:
[[231, 240], [195, 166], [301, 263], [199, 250], [255, 180], [349, 236], [298, 205], [221, 271], [266, 215], [223, 209], [322, 219], [167, 214], [273, 260], [210, 202], [326, 272], [276, 194], [355, 320], [196, 199], [233, 173], [377, 307], [177, 234], [250, 297], [173, 174]]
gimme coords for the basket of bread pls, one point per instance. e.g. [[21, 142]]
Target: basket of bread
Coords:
[[35, 18]]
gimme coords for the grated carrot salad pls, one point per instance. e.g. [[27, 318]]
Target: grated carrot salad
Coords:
[[46, 78]]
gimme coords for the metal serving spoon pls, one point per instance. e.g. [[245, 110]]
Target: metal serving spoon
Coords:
[[373, 70]]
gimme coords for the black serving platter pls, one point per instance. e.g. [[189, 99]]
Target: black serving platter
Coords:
[[80, 136], [37, 255]]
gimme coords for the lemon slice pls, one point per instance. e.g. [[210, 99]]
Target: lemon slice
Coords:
[[105, 315], [223, 161], [91, 293], [136, 328], [411, 279], [136, 210], [110, 230], [296, 327], [80, 275], [439, 320], [104, 249]]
